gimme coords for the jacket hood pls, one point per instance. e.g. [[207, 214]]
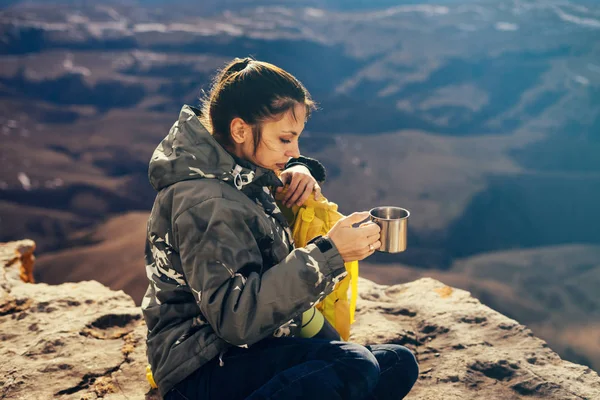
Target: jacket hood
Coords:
[[189, 151]]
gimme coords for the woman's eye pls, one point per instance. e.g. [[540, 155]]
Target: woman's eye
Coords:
[[285, 141]]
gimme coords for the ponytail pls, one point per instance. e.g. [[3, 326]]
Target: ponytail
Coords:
[[237, 65]]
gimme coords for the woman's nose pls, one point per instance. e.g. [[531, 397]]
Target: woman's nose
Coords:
[[294, 151]]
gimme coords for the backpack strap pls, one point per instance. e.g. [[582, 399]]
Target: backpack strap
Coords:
[[353, 288], [307, 215]]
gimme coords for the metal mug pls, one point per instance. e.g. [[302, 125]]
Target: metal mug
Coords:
[[393, 222]]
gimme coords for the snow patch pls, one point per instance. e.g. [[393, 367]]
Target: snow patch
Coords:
[[25, 181], [142, 28], [314, 13], [589, 22], [75, 69], [421, 8], [506, 26], [582, 80]]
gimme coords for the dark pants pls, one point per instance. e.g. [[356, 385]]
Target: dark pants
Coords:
[[296, 368]]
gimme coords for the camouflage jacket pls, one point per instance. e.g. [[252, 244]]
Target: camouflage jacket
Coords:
[[221, 266]]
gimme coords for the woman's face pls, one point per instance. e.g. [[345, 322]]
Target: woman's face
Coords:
[[279, 141]]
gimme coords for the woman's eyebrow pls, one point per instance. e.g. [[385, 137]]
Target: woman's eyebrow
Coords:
[[292, 132]]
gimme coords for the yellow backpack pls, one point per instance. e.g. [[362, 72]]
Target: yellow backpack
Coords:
[[314, 218]]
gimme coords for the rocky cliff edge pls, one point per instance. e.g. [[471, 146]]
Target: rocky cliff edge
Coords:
[[85, 341]]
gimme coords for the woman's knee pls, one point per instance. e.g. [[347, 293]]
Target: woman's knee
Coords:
[[357, 365], [396, 357], [410, 361], [368, 366]]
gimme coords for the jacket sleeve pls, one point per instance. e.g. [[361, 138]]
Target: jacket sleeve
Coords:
[[317, 170], [223, 266]]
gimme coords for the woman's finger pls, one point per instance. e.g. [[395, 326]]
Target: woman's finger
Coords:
[[298, 192], [370, 229], [317, 190], [370, 248], [284, 178], [294, 181], [307, 191], [373, 238]]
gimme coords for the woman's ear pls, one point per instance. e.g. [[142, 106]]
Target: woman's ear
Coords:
[[240, 130]]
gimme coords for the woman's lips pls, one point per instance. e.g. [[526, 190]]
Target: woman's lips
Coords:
[[280, 166]]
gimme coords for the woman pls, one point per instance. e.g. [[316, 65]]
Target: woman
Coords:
[[227, 288]]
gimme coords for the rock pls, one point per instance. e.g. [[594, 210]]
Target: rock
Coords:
[[84, 341], [70, 341], [465, 349]]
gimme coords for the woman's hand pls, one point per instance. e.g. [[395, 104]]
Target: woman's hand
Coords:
[[301, 185], [355, 244]]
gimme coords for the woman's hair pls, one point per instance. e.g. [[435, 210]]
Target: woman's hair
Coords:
[[254, 91]]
